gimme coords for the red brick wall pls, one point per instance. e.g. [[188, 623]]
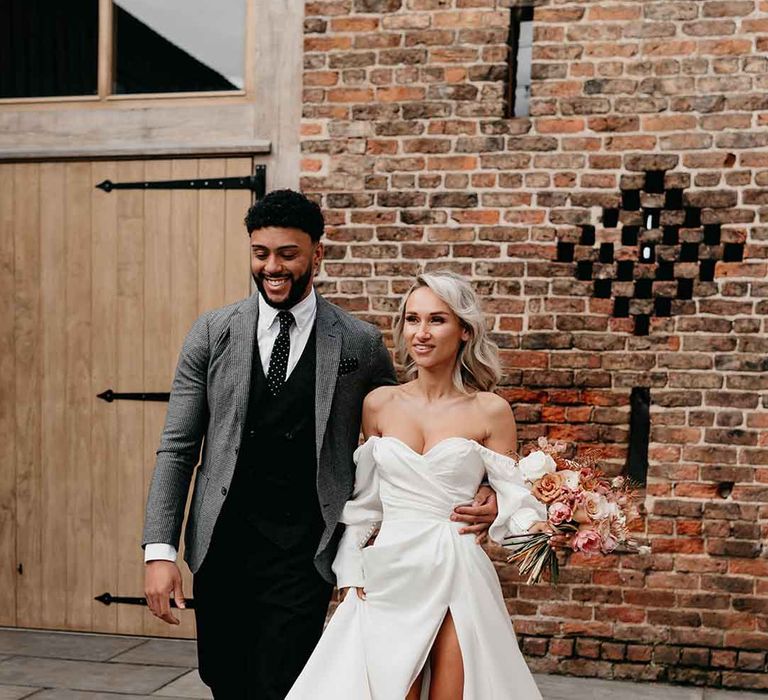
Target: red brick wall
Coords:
[[405, 144]]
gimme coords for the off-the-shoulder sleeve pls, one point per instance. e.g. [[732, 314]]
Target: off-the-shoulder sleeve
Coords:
[[361, 516], [518, 509]]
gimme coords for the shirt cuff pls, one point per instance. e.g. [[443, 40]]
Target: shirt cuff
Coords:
[[159, 551]]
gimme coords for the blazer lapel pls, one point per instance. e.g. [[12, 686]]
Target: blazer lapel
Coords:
[[327, 354], [243, 337]]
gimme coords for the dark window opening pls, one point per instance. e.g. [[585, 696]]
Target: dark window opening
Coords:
[[643, 288], [636, 467], [565, 251], [671, 235], [654, 181], [685, 288], [621, 307], [662, 306], [712, 234], [733, 252], [625, 270], [587, 235], [584, 270], [630, 200], [642, 324], [48, 48], [519, 42], [629, 235], [610, 218], [603, 288]]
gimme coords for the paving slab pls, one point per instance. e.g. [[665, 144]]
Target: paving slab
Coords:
[[86, 675], [715, 694], [568, 688], [64, 645], [162, 652], [14, 692], [188, 686]]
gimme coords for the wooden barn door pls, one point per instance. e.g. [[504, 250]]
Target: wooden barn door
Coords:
[[97, 290]]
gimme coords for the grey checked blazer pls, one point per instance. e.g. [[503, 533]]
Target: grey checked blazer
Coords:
[[208, 406]]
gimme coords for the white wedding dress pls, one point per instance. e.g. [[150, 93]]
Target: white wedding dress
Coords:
[[419, 568]]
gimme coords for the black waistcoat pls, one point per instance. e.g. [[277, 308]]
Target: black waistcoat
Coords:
[[274, 487]]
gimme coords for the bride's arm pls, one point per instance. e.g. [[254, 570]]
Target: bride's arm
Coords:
[[363, 511], [502, 429], [519, 511], [501, 436]]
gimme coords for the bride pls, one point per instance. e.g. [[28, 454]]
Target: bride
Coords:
[[426, 618]]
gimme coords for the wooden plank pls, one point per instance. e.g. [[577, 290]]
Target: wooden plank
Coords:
[[130, 377], [104, 425], [78, 399], [184, 253], [237, 269], [8, 561], [27, 390], [210, 281], [54, 438], [158, 353]]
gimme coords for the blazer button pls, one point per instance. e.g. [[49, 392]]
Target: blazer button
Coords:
[[223, 490], [252, 433]]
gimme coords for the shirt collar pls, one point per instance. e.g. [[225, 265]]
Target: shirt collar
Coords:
[[303, 312]]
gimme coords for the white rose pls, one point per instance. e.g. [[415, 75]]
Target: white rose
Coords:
[[597, 506], [536, 465], [570, 479]]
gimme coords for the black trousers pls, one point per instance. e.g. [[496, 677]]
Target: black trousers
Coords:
[[260, 611]]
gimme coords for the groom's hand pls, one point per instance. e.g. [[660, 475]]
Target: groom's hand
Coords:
[[481, 514], [161, 579]]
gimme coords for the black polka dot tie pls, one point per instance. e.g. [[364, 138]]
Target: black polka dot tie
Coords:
[[278, 361]]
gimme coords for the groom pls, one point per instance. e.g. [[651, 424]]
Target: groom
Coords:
[[272, 389]]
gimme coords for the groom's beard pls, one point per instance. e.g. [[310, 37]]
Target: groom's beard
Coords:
[[297, 289]]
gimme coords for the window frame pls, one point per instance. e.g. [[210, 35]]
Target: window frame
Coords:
[[106, 69]]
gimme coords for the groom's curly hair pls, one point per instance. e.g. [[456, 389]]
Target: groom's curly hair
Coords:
[[286, 209]]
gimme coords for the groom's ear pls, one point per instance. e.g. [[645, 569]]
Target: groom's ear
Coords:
[[317, 256]]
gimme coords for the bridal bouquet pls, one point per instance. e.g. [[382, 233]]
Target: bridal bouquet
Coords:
[[588, 511]]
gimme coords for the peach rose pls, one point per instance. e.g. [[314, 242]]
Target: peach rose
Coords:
[[587, 541], [548, 488], [595, 505], [559, 513]]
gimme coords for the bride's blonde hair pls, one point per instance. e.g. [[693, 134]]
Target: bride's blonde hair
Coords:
[[477, 365]]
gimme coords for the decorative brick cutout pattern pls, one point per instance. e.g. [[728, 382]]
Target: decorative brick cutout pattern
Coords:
[[658, 231]]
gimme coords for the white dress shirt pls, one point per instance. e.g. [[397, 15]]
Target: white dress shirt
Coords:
[[266, 333]]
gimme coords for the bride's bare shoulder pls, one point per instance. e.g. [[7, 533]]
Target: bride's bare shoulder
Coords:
[[380, 397], [493, 406]]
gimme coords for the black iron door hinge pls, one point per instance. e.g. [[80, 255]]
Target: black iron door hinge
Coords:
[[109, 396], [108, 599], [256, 183]]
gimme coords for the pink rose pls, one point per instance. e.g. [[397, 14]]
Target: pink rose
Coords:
[[559, 513], [587, 541]]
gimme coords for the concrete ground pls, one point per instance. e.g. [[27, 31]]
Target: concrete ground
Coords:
[[65, 666]]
